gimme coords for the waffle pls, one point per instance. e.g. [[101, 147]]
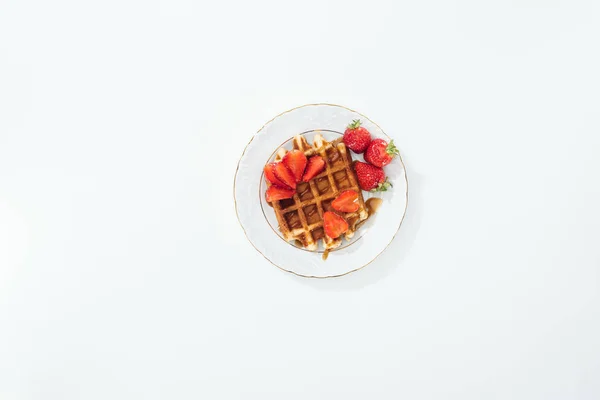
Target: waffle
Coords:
[[301, 217]]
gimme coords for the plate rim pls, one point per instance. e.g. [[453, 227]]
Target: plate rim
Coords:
[[236, 205]]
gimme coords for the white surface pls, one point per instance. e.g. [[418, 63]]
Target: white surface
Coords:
[[124, 273], [258, 219]]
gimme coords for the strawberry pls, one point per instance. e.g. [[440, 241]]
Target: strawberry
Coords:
[[334, 224], [371, 177], [380, 153], [296, 161], [357, 138], [285, 175], [346, 201], [278, 193], [315, 165], [270, 175]]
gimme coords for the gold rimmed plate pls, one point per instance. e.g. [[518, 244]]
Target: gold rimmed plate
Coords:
[[258, 219]]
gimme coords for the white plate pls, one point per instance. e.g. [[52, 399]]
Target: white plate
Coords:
[[258, 219]]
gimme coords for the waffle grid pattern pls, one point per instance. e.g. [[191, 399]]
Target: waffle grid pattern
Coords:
[[301, 218]]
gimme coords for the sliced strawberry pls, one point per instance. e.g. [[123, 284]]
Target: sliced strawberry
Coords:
[[296, 161], [270, 175], [346, 201], [278, 193], [334, 224], [316, 164], [285, 175]]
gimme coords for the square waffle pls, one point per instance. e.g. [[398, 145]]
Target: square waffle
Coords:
[[301, 217]]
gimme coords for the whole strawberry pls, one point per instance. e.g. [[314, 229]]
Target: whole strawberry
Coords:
[[357, 138], [380, 153], [371, 178]]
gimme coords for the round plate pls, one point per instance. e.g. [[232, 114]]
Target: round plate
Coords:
[[258, 220]]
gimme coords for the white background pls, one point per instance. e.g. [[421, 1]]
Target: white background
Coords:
[[124, 273]]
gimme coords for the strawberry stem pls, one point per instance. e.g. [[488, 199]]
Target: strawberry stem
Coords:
[[383, 186], [354, 124], [391, 149]]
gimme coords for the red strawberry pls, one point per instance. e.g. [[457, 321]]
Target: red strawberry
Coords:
[[334, 224], [371, 177], [380, 153], [315, 165], [356, 137], [278, 193], [285, 175], [346, 201], [270, 175], [296, 161]]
